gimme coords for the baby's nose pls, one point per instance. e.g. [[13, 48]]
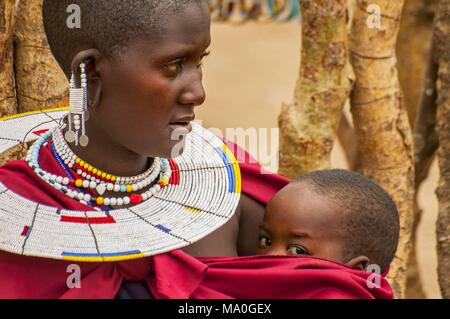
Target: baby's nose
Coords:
[[276, 251]]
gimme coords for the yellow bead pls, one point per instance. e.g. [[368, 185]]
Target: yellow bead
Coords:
[[94, 171], [103, 175], [90, 168], [164, 181], [108, 176], [99, 173], [77, 160], [100, 200], [79, 183], [129, 188], [81, 163], [113, 178], [86, 166]]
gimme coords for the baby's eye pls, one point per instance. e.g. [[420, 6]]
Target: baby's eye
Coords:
[[264, 241], [297, 250]]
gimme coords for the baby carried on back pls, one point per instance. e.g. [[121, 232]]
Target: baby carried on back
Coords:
[[339, 228]]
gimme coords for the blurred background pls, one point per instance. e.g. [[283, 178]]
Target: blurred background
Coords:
[[301, 75], [252, 69]]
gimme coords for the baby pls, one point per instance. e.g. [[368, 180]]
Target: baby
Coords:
[[336, 215]]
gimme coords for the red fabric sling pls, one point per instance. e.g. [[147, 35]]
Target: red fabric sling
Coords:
[[175, 274]]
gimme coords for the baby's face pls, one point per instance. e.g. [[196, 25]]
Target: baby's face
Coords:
[[298, 221]]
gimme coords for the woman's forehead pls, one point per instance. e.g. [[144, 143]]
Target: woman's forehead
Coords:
[[185, 33], [189, 26]]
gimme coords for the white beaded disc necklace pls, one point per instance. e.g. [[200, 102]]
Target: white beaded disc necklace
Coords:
[[61, 183], [201, 196]]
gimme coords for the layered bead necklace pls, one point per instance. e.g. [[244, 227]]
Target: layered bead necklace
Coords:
[[93, 179]]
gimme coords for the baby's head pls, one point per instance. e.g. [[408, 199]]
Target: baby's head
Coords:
[[332, 214]]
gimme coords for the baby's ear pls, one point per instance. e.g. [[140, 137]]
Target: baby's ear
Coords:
[[360, 262]]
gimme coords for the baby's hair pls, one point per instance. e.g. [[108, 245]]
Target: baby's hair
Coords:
[[371, 227], [107, 25]]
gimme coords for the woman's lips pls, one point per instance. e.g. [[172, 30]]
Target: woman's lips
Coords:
[[181, 126], [182, 123]]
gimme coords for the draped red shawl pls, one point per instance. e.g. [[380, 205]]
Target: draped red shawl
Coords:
[[175, 274]]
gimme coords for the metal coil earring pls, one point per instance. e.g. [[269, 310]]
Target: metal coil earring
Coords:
[[78, 110]]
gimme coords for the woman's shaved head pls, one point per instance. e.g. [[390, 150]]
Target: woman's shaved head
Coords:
[[107, 25]]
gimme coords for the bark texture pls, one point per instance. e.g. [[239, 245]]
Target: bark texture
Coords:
[[425, 135], [442, 34], [413, 46], [8, 105], [40, 82], [425, 132], [349, 142], [381, 120], [309, 124]]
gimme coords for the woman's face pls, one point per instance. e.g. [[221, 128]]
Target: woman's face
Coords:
[[150, 92]]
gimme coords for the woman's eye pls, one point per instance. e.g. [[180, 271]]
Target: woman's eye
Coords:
[[204, 55], [297, 250], [264, 241], [175, 68]]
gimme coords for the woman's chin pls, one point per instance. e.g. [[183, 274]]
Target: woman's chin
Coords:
[[168, 149], [173, 149]]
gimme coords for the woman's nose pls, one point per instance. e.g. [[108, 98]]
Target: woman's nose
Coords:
[[194, 93]]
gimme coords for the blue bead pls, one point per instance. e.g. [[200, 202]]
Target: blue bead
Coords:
[[123, 188]]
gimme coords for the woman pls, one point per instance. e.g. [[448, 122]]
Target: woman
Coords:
[[140, 62]]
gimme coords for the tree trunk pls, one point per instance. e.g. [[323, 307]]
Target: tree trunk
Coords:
[[17, 152], [442, 33], [425, 134], [380, 118], [413, 46], [425, 146], [349, 142], [308, 125], [8, 105], [40, 82]]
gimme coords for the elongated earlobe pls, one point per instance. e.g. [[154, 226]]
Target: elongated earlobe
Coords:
[[76, 132], [80, 98], [98, 94]]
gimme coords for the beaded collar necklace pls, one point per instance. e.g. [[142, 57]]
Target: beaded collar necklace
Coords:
[[63, 184], [202, 194]]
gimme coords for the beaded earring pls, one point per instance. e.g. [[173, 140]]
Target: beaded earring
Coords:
[[78, 110]]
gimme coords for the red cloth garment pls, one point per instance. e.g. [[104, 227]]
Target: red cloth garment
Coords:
[[265, 277], [257, 183], [174, 274]]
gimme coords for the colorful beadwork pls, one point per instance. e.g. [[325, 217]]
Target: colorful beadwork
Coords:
[[59, 183], [196, 202], [241, 11]]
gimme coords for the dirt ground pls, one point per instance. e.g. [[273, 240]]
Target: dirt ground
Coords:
[[252, 69]]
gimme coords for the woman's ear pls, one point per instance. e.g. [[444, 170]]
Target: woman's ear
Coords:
[[360, 262], [90, 58]]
